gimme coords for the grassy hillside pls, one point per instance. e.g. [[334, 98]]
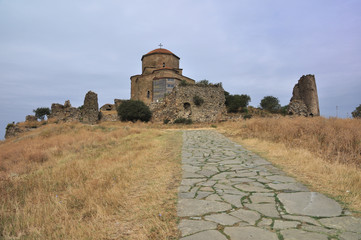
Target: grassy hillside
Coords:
[[119, 180], [74, 181]]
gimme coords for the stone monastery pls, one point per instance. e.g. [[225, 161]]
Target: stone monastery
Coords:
[[170, 96], [160, 74]]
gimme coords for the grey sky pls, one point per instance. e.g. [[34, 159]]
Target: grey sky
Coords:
[[51, 51]]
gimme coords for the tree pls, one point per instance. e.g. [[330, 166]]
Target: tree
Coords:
[[270, 103], [284, 110], [357, 112], [133, 110], [41, 112], [235, 102]]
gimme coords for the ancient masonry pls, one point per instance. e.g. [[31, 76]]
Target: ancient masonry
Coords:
[[159, 87], [90, 111], [65, 113], [170, 96], [201, 103], [304, 101], [160, 74]]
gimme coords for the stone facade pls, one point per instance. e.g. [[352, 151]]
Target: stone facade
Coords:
[[65, 113], [160, 74], [304, 101], [180, 103], [90, 111]]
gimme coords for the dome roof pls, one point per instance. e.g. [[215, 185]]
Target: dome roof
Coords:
[[160, 51]]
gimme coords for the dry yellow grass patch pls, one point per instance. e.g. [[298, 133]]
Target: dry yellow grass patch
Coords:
[[322, 153], [73, 181]]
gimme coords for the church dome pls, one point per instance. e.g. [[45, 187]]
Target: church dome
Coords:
[[160, 51]]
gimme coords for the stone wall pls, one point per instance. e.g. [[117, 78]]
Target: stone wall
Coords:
[[13, 130], [304, 101], [90, 111], [65, 113], [180, 104]]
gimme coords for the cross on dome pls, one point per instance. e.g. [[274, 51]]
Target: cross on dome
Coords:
[[160, 45]]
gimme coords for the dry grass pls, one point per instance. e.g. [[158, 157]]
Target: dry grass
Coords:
[[323, 153], [73, 181], [335, 140]]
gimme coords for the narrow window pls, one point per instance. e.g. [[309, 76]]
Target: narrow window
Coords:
[[163, 64], [148, 94]]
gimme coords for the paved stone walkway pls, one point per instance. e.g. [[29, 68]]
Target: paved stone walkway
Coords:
[[228, 192]]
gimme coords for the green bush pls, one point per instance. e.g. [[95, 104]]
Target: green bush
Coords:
[[134, 110], [247, 116], [166, 121], [234, 103], [284, 110], [203, 82], [198, 100], [357, 112], [271, 104], [183, 83], [41, 112], [183, 121]]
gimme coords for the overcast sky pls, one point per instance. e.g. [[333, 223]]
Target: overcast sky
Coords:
[[52, 51]]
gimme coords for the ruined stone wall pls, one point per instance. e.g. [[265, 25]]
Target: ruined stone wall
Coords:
[[65, 113], [180, 104], [13, 130], [304, 99]]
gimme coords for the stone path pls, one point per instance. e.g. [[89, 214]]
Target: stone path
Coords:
[[228, 192]]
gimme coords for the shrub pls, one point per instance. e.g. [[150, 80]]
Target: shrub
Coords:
[[357, 112], [133, 110], [247, 116], [166, 121], [41, 112], [284, 110], [198, 100], [236, 102], [183, 83], [270, 103], [203, 82], [183, 121]]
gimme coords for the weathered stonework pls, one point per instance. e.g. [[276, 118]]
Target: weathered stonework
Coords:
[[31, 118], [90, 110], [107, 107], [304, 99], [13, 130], [160, 74], [180, 104], [65, 113]]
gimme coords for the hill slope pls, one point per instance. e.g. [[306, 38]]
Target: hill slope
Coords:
[[74, 181]]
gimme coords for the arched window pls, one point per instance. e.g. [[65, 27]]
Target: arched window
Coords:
[[163, 64], [148, 94]]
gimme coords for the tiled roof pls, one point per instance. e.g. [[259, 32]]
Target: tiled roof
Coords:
[[161, 51]]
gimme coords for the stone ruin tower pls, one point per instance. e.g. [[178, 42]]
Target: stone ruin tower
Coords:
[[90, 111], [304, 101]]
